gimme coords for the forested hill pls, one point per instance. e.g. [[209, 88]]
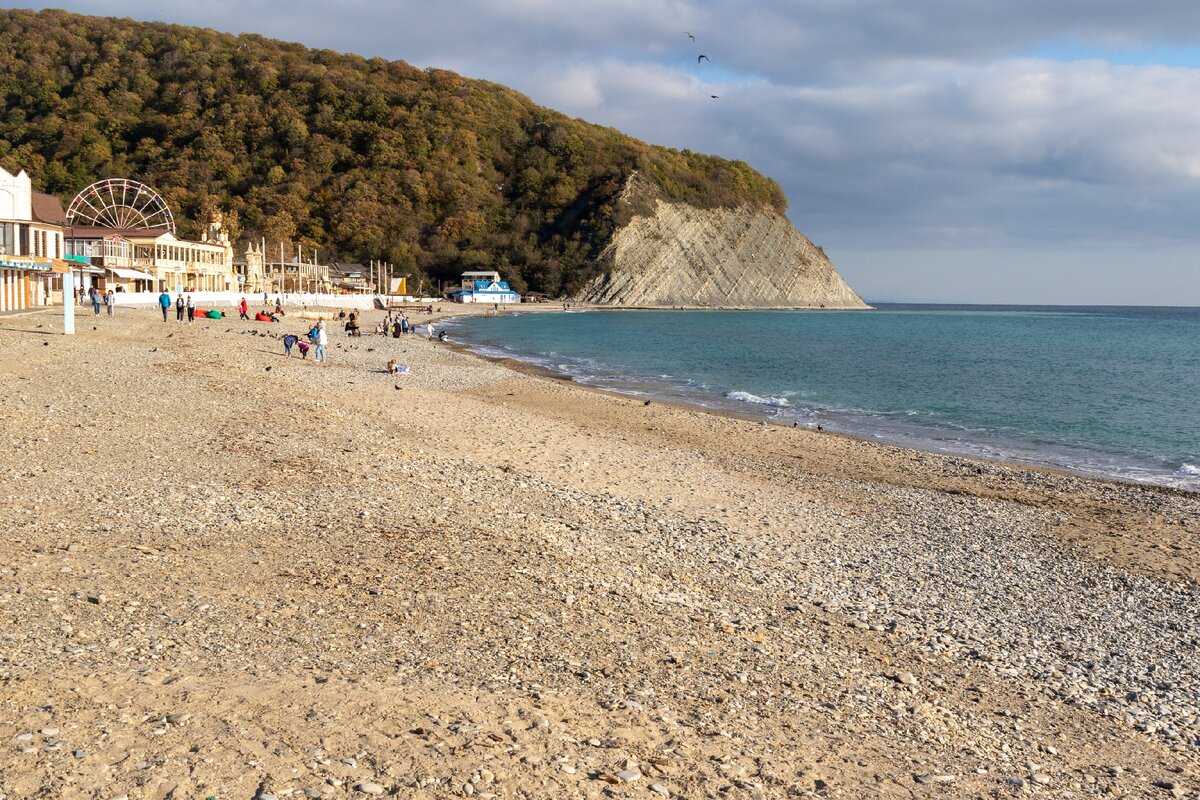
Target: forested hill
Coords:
[[363, 158]]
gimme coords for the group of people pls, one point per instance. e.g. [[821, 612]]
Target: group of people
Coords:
[[351, 321], [183, 303], [244, 309], [316, 337], [399, 325], [97, 297]]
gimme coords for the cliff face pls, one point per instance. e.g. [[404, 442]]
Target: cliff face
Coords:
[[745, 257]]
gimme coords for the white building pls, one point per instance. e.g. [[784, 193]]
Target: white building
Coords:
[[484, 287], [31, 243]]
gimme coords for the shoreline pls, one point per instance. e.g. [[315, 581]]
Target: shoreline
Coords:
[[769, 414], [229, 573]]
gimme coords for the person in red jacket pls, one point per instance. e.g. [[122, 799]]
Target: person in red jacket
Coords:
[[242, 309]]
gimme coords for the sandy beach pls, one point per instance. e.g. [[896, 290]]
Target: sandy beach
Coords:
[[230, 574]]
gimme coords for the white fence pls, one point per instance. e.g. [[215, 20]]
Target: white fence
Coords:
[[255, 302]]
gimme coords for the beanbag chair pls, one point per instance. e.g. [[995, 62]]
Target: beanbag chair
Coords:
[[214, 314], [261, 317]]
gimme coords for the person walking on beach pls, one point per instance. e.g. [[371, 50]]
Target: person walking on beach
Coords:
[[164, 300], [191, 309], [110, 300], [322, 342], [179, 304], [242, 309], [429, 331], [95, 302]]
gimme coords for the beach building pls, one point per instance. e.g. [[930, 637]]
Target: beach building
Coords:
[[125, 232], [31, 244], [249, 270], [296, 276], [484, 287], [350, 278]]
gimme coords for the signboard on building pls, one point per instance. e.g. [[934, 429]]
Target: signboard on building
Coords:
[[10, 262]]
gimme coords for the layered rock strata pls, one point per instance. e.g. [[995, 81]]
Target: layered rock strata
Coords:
[[679, 255]]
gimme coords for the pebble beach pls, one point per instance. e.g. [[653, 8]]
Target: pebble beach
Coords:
[[230, 574]]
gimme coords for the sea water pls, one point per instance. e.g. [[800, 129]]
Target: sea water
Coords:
[[1106, 391]]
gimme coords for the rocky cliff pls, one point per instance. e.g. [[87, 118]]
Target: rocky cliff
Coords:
[[671, 254]]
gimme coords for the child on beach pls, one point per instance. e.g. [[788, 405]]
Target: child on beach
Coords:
[[303, 349], [288, 341]]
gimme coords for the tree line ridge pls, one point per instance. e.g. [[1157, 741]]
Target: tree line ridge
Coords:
[[361, 158]]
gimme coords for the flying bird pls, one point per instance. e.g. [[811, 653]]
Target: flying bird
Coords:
[[690, 36], [715, 96], [703, 57]]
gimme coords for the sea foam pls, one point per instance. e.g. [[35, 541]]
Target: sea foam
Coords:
[[747, 397]]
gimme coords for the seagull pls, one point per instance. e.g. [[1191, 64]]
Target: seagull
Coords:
[[715, 96], [690, 36], [703, 57]]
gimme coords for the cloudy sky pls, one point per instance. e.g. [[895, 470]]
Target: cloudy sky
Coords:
[[1012, 151]]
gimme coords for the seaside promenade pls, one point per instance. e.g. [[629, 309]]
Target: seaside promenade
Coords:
[[228, 574]]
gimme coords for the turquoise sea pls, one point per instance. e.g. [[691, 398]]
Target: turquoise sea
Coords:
[[1105, 391]]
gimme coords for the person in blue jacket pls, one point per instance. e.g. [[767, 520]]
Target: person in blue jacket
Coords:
[[164, 301]]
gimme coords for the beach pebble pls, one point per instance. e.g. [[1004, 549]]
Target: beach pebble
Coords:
[[369, 788]]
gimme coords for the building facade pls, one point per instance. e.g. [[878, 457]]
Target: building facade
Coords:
[[31, 244], [484, 287], [154, 259]]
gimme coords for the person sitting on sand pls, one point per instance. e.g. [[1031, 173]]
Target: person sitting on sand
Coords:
[[278, 309], [379, 329], [395, 368]]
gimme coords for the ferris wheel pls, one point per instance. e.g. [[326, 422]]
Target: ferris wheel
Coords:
[[122, 204]]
